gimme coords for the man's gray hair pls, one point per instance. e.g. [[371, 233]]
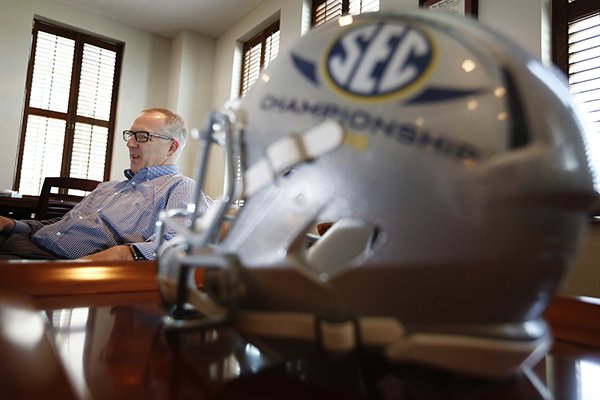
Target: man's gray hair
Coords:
[[175, 126]]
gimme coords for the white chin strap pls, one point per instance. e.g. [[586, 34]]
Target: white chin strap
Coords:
[[291, 150], [478, 356], [489, 357]]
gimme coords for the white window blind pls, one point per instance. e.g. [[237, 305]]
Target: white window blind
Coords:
[[53, 65], [258, 52], [584, 78], [251, 67], [326, 10], [69, 112], [96, 82], [89, 151], [361, 6], [42, 155], [271, 48]]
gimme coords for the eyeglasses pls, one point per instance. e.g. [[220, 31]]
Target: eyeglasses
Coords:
[[143, 136]]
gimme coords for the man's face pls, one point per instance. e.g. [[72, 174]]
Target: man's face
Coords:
[[155, 151]]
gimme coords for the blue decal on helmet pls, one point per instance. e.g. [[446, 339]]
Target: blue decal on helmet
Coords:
[[306, 68], [441, 94], [379, 59]]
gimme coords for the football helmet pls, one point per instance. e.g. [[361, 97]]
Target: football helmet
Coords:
[[451, 169]]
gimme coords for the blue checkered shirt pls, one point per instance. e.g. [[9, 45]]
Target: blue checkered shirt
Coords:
[[117, 213]]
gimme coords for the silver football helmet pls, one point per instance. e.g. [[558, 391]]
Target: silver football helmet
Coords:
[[450, 169]]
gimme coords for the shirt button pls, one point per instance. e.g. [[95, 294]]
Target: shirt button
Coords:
[[80, 217], [58, 233]]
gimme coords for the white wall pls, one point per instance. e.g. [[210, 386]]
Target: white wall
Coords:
[[190, 88], [584, 278], [519, 20]]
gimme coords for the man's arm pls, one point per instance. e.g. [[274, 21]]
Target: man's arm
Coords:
[[179, 198], [7, 225], [115, 253]]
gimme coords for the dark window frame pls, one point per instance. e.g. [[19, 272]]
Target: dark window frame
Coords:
[[70, 116], [259, 38], [345, 10], [564, 12]]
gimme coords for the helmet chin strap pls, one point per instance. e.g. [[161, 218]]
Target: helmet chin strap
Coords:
[[463, 352], [291, 150], [468, 354]]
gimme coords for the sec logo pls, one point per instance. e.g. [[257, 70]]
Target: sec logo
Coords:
[[379, 59]]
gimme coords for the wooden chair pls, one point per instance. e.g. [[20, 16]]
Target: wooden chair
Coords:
[[51, 205]]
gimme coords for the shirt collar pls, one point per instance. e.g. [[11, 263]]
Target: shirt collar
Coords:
[[149, 173]]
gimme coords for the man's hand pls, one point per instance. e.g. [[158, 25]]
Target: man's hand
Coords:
[[111, 254], [6, 225]]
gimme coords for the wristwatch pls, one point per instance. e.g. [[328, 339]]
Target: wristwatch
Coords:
[[136, 253]]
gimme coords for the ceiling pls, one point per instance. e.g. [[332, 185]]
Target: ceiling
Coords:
[[166, 18]]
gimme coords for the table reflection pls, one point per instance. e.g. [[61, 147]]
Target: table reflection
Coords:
[[124, 352], [588, 375], [575, 376], [69, 328]]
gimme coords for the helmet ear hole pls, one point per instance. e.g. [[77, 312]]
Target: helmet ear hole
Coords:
[[323, 227], [342, 246]]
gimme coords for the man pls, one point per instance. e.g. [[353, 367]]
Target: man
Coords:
[[117, 220]]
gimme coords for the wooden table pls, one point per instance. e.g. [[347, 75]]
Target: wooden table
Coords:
[[104, 339], [26, 206], [18, 207]]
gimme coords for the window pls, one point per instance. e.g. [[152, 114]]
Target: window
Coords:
[[258, 52], [69, 114], [326, 10], [576, 51]]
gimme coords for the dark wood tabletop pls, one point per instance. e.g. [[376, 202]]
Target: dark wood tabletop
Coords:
[[26, 206], [18, 207], [91, 330]]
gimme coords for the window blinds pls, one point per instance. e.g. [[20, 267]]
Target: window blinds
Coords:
[[326, 10], [258, 52], [42, 154], [584, 78], [53, 65], [68, 113], [251, 67], [50, 87]]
